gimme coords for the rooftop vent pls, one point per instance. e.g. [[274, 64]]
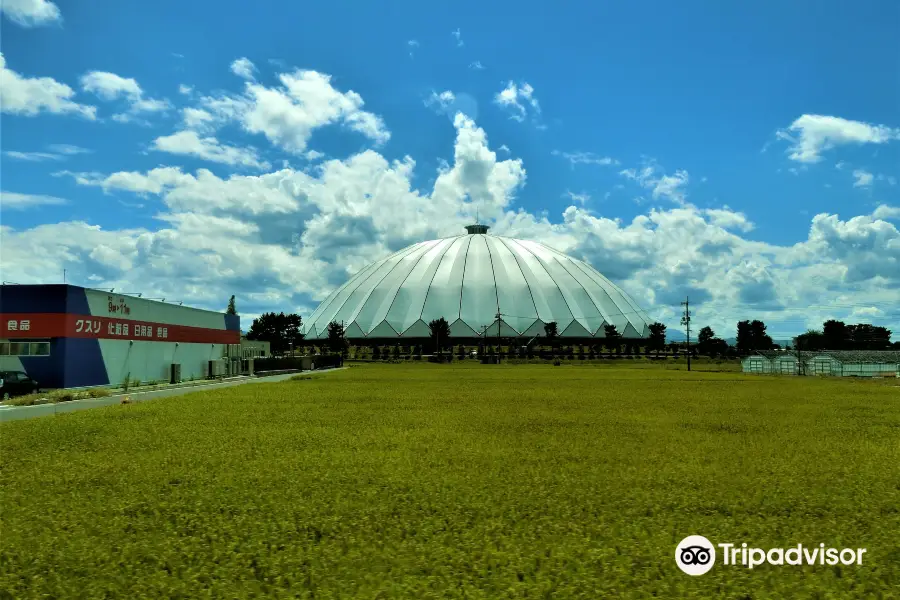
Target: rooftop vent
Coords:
[[470, 229]]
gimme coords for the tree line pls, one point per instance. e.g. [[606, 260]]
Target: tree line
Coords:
[[283, 332], [837, 335]]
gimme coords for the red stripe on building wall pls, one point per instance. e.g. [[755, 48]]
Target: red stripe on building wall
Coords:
[[55, 325]]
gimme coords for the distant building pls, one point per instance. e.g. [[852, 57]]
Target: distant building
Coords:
[[69, 336], [255, 348], [484, 286]]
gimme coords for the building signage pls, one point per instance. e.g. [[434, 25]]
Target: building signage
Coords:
[[53, 325], [117, 306], [14, 325]]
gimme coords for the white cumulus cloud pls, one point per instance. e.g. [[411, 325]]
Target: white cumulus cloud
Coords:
[[16, 201], [886, 212], [287, 115], [581, 199], [243, 68], [811, 135], [31, 13], [863, 178], [31, 96], [670, 187], [518, 100], [110, 86], [189, 143]]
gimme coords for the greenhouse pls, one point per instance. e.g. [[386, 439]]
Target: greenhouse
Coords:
[[757, 363], [838, 363], [786, 364], [861, 363]]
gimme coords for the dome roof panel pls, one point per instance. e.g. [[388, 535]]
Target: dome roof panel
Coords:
[[409, 301], [446, 286], [419, 329]]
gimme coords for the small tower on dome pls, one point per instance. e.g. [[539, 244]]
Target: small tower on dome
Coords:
[[477, 227]]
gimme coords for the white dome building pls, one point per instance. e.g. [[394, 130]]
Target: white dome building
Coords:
[[468, 280]]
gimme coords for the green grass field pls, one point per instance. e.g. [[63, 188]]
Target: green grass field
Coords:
[[462, 480]]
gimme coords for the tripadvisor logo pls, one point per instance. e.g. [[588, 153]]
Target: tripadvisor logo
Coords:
[[696, 555]]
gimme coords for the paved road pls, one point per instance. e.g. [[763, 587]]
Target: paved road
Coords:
[[15, 413]]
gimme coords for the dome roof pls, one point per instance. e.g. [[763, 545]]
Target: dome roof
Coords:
[[467, 280]]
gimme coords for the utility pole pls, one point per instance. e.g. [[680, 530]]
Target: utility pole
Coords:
[[686, 321], [498, 337]]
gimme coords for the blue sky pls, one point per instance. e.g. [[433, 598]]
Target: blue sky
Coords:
[[732, 125]]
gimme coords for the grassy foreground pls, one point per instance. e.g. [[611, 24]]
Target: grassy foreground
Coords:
[[463, 480]]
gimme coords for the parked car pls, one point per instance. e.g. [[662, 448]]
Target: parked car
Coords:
[[16, 383]]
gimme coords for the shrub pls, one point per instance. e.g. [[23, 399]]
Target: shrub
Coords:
[[65, 395], [27, 400], [556, 362]]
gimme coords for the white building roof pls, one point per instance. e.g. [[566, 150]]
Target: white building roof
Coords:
[[467, 280]]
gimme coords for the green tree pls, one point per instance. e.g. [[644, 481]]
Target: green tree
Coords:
[[752, 337], [336, 341], [869, 337], [280, 330], [613, 338], [551, 332], [836, 335], [232, 308], [811, 341], [657, 339], [440, 333], [709, 345], [703, 338]]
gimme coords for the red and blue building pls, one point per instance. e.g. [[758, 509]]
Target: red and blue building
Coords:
[[69, 336]]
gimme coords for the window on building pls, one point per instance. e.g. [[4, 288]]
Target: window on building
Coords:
[[25, 348], [39, 349], [18, 348]]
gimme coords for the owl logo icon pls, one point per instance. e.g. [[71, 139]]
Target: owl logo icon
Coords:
[[695, 555]]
